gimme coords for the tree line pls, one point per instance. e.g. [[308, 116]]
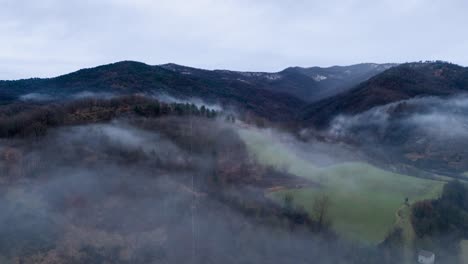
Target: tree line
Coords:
[[23, 120]]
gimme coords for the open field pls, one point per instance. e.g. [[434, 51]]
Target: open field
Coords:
[[403, 221], [364, 199], [464, 251]]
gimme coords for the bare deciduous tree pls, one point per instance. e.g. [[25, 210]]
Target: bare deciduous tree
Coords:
[[320, 211]]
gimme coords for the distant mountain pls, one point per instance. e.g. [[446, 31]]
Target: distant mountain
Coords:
[[333, 80], [278, 96], [398, 83], [133, 77], [309, 84]]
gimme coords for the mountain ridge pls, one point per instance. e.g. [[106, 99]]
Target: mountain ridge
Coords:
[[278, 96], [130, 77], [308, 83], [403, 82], [266, 94]]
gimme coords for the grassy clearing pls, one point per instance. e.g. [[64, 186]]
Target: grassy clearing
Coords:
[[403, 221], [364, 199], [464, 251]]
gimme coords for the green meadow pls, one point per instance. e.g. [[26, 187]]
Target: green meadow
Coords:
[[464, 251], [364, 199]]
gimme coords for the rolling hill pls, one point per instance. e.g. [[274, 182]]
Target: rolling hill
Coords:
[[398, 83], [128, 77], [310, 95], [277, 96]]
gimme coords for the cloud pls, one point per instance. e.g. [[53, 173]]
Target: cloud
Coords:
[[445, 119], [82, 198], [439, 118], [53, 37], [162, 97], [88, 94], [39, 97]]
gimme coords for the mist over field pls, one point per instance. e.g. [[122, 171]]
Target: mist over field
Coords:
[[122, 192], [170, 180], [305, 132], [156, 176]]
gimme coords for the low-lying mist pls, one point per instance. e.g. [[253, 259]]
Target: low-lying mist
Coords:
[[43, 97], [439, 117], [430, 132], [133, 180], [142, 190]]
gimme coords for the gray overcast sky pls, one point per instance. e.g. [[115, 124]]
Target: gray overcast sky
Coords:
[[51, 37]]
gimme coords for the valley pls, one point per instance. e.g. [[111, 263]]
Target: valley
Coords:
[[231, 164], [233, 132], [363, 199]]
